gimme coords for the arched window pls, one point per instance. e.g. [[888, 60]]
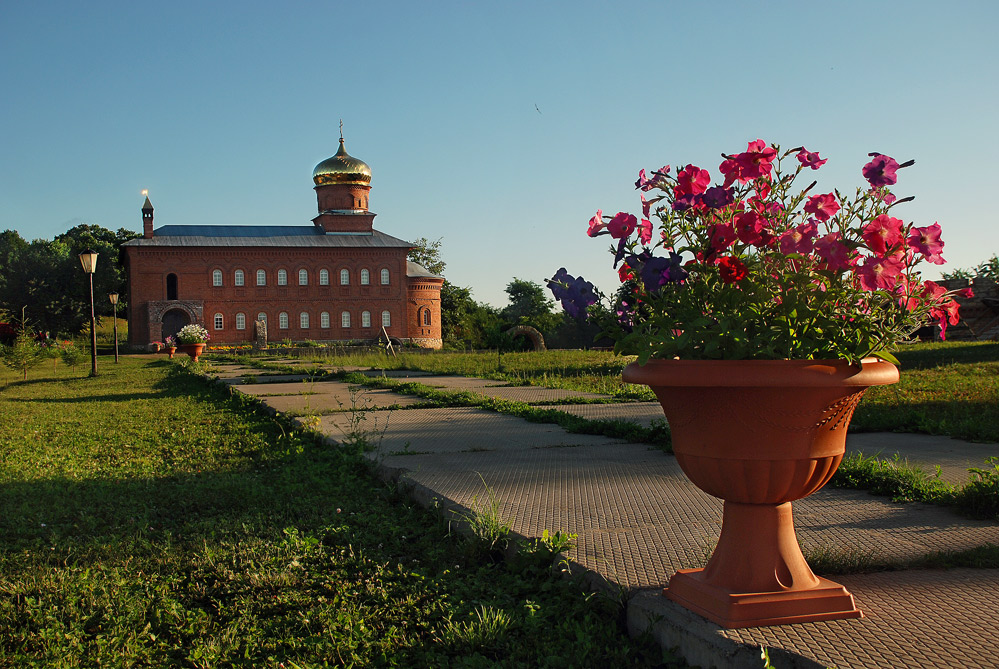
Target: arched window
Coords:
[[171, 286], [426, 318], [386, 319], [344, 277], [365, 319], [262, 317], [365, 277], [217, 278], [240, 321], [303, 277], [345, 319], [261, 277], [324, 277], [283, 320], [282, 277], [385, 277], [303, 320], [218, 321], [238, 278], [324, 319]]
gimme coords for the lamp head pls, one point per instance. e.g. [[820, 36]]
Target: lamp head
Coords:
[[89, 261]]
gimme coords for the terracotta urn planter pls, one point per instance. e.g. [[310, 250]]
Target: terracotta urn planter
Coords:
[[193, 350], [171, 350], [759, 434]]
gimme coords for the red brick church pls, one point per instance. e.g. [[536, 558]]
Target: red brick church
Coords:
[[337, 280]]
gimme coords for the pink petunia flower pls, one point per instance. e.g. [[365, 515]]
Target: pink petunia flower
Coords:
[[597, 225], [799, 240], [645, 231], [809, 159], [822, 207], [883, 234], [880, 273], [833, 252], [751, 229], [622, 225], [927, 241]]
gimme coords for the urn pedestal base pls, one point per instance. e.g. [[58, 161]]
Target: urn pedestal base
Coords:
[[826, 601], [757, 575]]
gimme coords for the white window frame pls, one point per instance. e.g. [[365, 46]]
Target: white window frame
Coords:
[[345, 319], [282, 277], [261, 277], [303, 320], [303, 277], [386, 319], [365, 277], [324, 320], [219, 321], [217, 278], [241, 321], [344, 277], [324, 277], [365, 319], [385, 277], [262, 317], [283, 320], [238, 278]]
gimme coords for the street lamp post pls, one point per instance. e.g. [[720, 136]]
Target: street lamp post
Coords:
[[89, 261], [114, 304]]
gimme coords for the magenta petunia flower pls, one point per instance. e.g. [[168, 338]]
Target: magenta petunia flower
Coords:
[[810, 159], [622, 225], [721, 236], [597, 225], [691, 180], [755, 161], [883, 234], [881, 171], [822, 207], [927, 241], [750, 228]]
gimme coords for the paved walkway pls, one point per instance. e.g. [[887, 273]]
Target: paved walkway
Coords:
[[638, 519]]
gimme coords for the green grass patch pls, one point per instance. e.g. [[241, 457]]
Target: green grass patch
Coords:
[[148, 518]]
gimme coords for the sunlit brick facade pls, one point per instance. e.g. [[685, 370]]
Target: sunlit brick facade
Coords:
[[336, 280]]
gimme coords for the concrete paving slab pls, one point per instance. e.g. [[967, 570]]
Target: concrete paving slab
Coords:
[[389, 373], [326, 400], [454, 430], [261, 379], [534, 394], [922, 618], [643, 413], [458, 382], [953, 456], [639, 518]]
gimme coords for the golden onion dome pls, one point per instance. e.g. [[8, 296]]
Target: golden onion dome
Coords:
[[342, 169]]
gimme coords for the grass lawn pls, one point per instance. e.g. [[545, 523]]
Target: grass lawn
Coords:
[[150, 519]]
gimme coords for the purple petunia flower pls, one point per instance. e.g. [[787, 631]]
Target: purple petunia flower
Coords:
[[717, 197], [881, 171], [657, 272]]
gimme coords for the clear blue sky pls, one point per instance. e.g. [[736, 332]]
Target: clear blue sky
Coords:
[[499, 127]]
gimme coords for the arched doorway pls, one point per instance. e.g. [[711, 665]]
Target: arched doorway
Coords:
[[171, 286], [173, 321]]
